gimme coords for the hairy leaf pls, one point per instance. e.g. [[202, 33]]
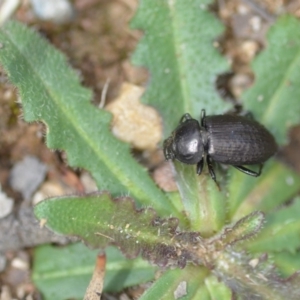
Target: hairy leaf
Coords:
[[63, 273], [203, 202], [172, 281], [287, 262], [217, 289], [274, 98], [178, 50], [242, 230], [254, 278], [281, 231], [101, 221], [276, 185], [51, 93]]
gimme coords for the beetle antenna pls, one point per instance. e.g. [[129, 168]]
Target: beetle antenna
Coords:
[[202, 117]]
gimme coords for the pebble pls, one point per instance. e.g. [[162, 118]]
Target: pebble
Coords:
[[6, 205], [3, 262], [27, 175], [57, 11], [88, 182], [5, 293]]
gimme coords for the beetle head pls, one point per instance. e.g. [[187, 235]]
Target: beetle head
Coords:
[[185, 144]]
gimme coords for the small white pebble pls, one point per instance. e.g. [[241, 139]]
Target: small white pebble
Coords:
[[255, 23], [27, 175], [6, 205], [20, 264], [181, 290], [5, 293], [254, 262], [242, 9], [58, 11]]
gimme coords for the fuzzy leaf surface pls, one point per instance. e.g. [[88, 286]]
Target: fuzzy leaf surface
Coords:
[[51, 93], [287, 262], [217, 289], [273, 187], [274, 97], [170, 281], [64, 273], [203, 202], [255, 278], [281, 231], [102, 221], [242, 230], [178, 50]]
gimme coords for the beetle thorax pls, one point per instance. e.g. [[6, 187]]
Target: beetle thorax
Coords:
[[205, 139]]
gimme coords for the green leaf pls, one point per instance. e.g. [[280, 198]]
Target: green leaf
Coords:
[[287, 262], [204, 204], [242, 230], [276, 185], [64, 273], [217, 289], [170, 281], [254, 278], [274, 98], [51, 93], [281, 231], [178, 50], [101, 221]]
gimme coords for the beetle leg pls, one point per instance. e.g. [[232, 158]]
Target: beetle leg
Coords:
[[211, 171], [210, 168], [185, 117], [248, 171], [202, 117], [200, 165]]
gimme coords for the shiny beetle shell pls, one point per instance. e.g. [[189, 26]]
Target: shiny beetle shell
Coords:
[[227, 139], [236, 140], [188, 148]]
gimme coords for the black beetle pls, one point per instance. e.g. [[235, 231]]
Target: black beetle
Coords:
[[227, 139]]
